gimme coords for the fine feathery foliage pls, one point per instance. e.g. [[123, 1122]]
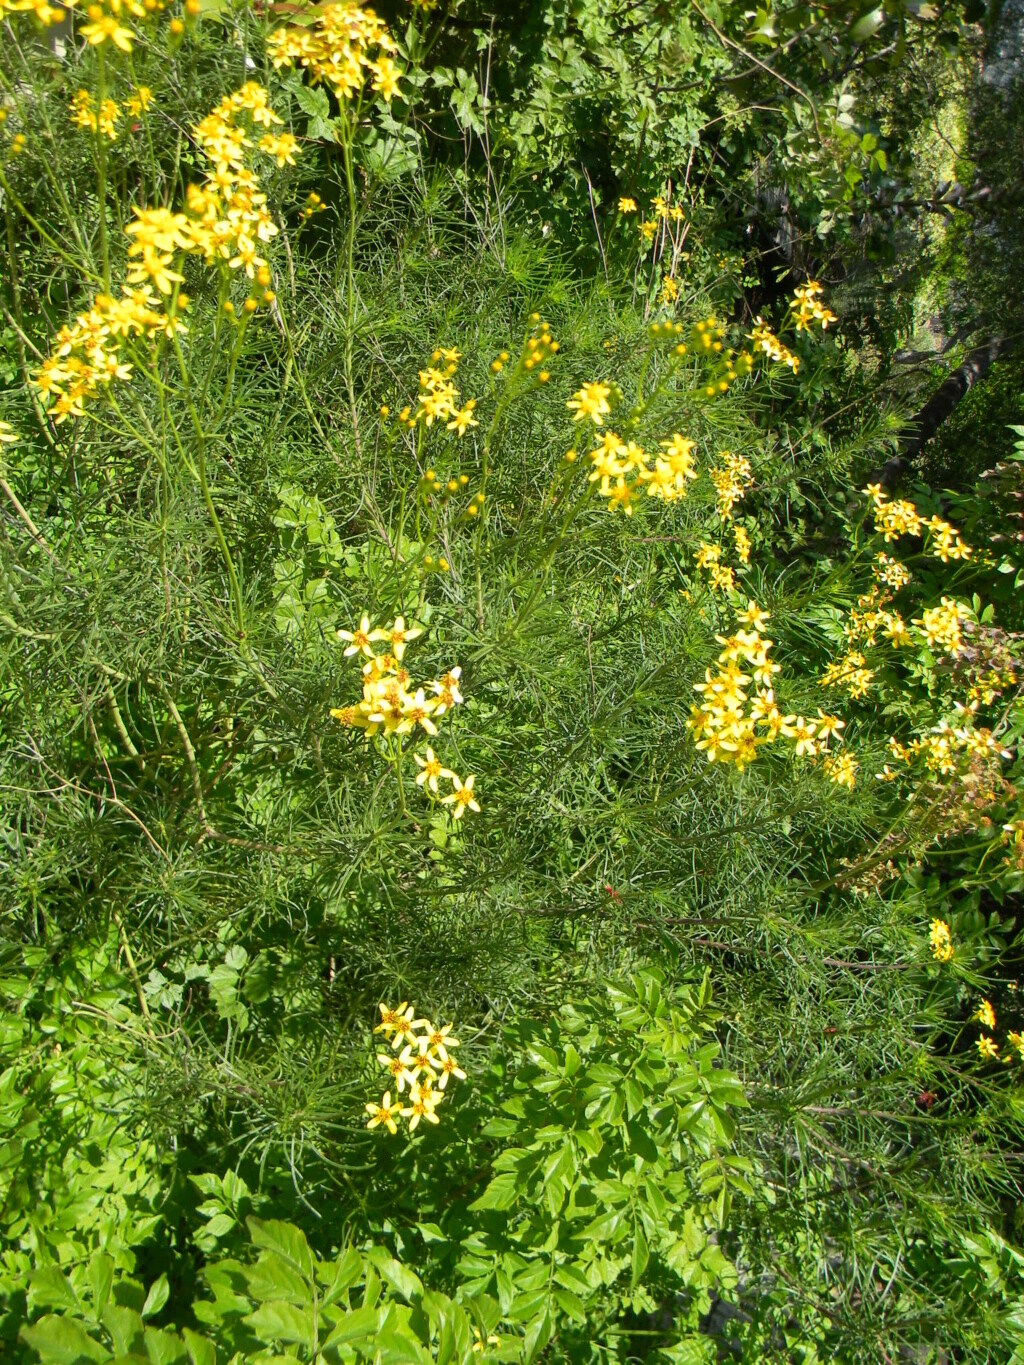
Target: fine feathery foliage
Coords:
[[512, 843]]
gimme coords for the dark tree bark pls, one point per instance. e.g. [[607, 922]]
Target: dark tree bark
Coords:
[[926, 422]]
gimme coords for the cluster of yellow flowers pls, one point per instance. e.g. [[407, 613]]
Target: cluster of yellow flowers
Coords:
[[941, 625], [105, 118], [730, 726], [422, 1061], [86, 355], [731, 481], [343, 46], [808, 309], [314, 204], [768, 344], [393, 705], [849, 672], [226, 224], [941, 747], [44, 13], [666, 478], [871, 615], [104, 24], [898, 517], [539, 348], [722, 577], [941, 941], [890, 572], [661, 212], [439, 399], [988, 1048]]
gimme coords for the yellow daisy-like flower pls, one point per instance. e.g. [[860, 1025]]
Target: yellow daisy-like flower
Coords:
[[360, 640], [393, 1020], [439, 1040], [627, 205], [985, 1014], [591, 402], [450, 1068], [430, 770], [423, 1100], [107, 29], [399, 636], [399, 1068], [383, 1114], [463, 798], [988, 1049]]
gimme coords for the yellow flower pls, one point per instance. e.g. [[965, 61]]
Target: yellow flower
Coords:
[[795, 727], [988, 1049], [416, 710], [1016, 1040], [383, 1114], [447, 686], [941, 941], [361, 639], [399, 636], [985, 1014], [591, 401], [423, 1101], [463, 797], [439, 1040], [753, 616], [430, 770], [450, 1068], [829, 726], [385, 78], [627, 205], [398, 1068], [464, 419], [619, 494], [392, 1020], [105, 28]]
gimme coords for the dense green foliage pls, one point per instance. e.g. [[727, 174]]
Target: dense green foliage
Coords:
[[726, 1093]]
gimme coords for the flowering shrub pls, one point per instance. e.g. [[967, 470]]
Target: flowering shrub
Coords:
[[395, 613]]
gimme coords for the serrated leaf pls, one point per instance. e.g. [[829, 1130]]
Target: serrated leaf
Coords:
[[287, 1240], [499, 1194], [62, 1341], [359, 1323], [280, 1321]]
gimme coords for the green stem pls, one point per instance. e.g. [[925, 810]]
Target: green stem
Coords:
[[236, 593], [398, 774], [101, 171]]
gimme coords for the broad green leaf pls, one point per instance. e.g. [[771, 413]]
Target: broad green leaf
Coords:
[[499, 1194], [200, 1350], [280, 1321], [348, 1270], [401, 1279], [641, 1255], [360, 1323], [62, 1341], [159, 1292], [163, 1348], [284, 1238], [101, 1277]]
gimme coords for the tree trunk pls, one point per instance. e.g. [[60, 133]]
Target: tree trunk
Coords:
[[923, 426]]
